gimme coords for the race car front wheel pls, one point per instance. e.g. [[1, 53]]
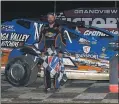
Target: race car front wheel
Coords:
[[17, 71]]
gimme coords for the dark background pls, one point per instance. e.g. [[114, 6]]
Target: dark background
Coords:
[[34, 9]]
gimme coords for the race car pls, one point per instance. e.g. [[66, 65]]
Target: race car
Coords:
[[86, 57]]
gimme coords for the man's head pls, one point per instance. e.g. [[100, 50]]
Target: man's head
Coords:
[[60, 54], [51, 18]]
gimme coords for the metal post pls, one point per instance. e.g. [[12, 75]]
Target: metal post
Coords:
[[115, 4], [114, 87], [54, 7]]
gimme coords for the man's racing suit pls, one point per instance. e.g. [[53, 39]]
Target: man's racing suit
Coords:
[[52, 38]]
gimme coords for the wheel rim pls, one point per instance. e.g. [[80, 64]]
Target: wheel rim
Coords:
[[17, 71]]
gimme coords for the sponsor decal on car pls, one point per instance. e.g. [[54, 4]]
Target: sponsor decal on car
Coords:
[[92, 56], [87, 53], [86, 49], [84, 41], [98, 33], [103, 54], [13, 39], [7, 28]]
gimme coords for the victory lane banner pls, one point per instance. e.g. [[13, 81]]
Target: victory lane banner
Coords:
[[100, 17]]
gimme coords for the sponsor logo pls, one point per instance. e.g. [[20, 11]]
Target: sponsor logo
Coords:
[[92, 56], [94, 33], [103, 54], [98, 33], [86, 54], [103, 49], [94, 42], [104, 61], [86, 49], [50, 34], [84, 41], [96, 11], [12, 40], [7, 28]]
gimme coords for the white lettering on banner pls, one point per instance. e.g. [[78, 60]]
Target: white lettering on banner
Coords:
[[86, 20], [98, 21], [68, 19], [95, 21], [114, 11], [76, 19], [111, 20], [96, 11], [107, 22], [105, 25]]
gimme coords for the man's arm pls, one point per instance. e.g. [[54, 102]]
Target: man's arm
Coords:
[[60, 41]]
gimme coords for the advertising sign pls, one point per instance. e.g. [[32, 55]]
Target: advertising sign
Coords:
[[100, 17]]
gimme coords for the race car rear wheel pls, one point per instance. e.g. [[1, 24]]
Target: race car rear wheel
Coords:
[[17, 71]]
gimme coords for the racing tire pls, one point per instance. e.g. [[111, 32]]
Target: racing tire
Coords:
[[17, 71]]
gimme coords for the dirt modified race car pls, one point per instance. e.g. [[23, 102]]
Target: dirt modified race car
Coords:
[[86, 57]]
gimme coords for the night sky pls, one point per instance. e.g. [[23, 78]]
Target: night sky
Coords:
[[34, 9]]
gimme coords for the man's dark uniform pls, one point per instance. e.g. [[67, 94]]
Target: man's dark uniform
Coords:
[[51, 38]]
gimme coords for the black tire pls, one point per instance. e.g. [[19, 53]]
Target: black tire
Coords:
[[17, 71]]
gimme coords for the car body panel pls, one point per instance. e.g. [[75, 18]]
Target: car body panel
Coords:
[[87, 52]]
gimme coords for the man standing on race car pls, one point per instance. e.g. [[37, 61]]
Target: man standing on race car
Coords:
[[52, 42]]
